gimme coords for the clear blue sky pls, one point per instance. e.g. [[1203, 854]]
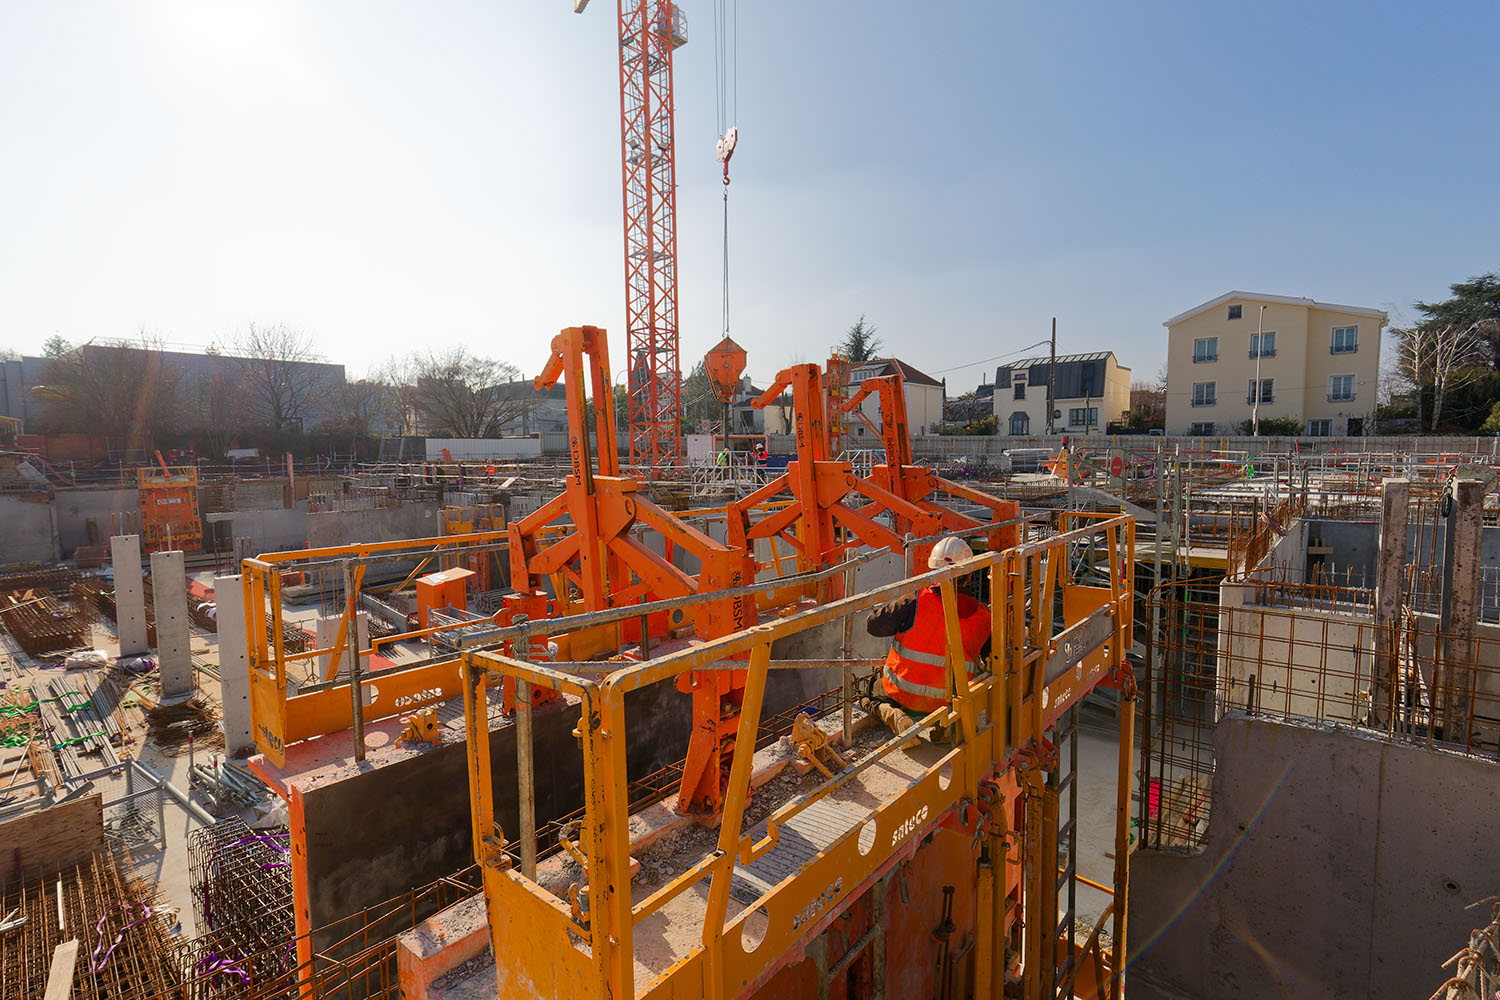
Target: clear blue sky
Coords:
[[390, 175]]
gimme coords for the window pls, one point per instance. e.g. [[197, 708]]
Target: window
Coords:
[[1235, 312], [1020, 389], [1020, 423], [1203, 393], [1076, 416], [1205, 349], [1320, 428], [1263, 345], [1201, 429], [1267, 391], [1086, 380], [1345, 339], [1340, 388]]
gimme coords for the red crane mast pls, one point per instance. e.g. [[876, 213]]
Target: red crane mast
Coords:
[[649, 31]]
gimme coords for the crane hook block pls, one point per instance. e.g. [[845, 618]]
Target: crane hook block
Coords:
[[726, 145]]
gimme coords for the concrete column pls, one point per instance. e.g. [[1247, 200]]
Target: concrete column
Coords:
[[234, 663], [130, 594], [328, 630], [174, 655], [1463, 533], [1390, 561]]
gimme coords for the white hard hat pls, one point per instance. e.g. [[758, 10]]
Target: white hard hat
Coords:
[[949, 551]]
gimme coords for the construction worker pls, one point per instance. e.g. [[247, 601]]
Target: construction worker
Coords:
[[914, 681]]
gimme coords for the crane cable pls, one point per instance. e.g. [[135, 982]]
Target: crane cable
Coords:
[[726, 83]]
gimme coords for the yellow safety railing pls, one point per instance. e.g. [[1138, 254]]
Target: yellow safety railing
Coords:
[[549, 945], [280, 719]]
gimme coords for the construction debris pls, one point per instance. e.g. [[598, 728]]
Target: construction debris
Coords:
[[171, 727], [228, 787]]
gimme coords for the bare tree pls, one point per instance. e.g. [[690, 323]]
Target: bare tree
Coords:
[[280, 374], [121, 390], [218, 407], [399, 378], [1444, 357], [355, 407], [454, 393]]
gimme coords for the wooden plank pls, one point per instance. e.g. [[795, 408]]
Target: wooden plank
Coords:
[[60, 976], [53, 839]]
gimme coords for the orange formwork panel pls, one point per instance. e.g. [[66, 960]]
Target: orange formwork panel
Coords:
[[169, 508]]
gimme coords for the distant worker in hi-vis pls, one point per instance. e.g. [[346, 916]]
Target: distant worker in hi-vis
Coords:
[[914, 681]]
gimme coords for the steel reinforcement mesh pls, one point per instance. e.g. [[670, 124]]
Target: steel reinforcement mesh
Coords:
[[125, 947], [242, 900]]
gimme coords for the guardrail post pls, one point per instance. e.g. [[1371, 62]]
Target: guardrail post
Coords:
[[733, 817], [847, 653], [356, 692], [525, 758]]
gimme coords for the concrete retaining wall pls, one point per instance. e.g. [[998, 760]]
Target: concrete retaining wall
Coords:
[[268, 530], [1335, 865], [479, 449], [1314, 663], [27, 530], [77, 507], [383, 524]]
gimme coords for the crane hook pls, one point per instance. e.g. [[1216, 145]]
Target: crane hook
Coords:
[[725, 149]]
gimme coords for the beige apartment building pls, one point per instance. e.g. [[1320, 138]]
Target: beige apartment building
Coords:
[[1315, 362]]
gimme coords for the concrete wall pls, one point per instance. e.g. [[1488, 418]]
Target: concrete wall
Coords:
[[482, 449], [1335, 866], [268, 530], [1313, 663], [413, 520], [1355, 545], [76, 507], [27, 530]]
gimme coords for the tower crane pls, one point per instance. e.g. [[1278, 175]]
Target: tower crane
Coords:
[[649, 32]]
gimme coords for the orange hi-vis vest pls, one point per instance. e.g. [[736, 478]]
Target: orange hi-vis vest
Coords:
[[916, 668]]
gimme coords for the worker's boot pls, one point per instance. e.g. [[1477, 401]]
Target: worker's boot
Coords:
[[896, 720]]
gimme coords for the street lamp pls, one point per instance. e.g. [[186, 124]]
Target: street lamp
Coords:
[[1260, 350]]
